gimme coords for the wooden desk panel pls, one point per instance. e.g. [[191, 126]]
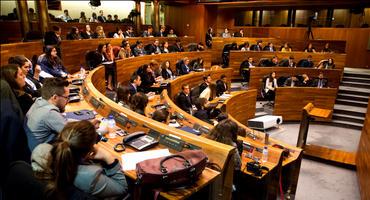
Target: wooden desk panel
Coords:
[[290, 101], [27, 49], [126, 67], [194, 79], [258, 73], [237, 57], [363, 158], [242, 105]]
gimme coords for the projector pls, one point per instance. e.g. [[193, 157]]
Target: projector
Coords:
[[265, 122]]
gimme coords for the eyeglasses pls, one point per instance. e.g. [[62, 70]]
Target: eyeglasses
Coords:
[[65, 97]]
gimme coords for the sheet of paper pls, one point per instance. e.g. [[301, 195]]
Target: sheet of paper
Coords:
[[129, 160]]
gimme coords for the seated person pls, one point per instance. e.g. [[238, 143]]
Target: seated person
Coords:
[[139, 101], [226, 34], [161, 115], [177, 47], [320, 82], [99, 32], [286, 48], [87, 34], [201, 112], [197, 64], [162, 32], [291, 82], [326, 64], [129, 32], [244, 46], [310, 48], [51, 63], [147, 77], [135, 82], [239, 34], [307, 63], [123, 96], [270, 86], [221, 85], [118, 33], [164, 47], [326, 49], [139, 49], [125, 52], [274, 61], [258, 46], [69, 162], [306, 81], [153, 48], [166, 70], [148, 32], [244, 68], [73, 34], [15, 78], [44, 120], [32, 85], [171, 33], [209, 92], [184, 67], [270, 47], [206, 81], [196, 47], [226, 132], [287, 62], [183, 99]]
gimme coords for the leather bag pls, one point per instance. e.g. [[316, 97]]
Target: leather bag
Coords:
[[175, 170]]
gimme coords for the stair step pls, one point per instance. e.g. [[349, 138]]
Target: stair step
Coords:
[[350, 108], [359, 75], [349, 112], [351, 103], [346, 124], [355, 84], [352, 92], [348, 118], [356, 80], [342, 87], [353, 97]]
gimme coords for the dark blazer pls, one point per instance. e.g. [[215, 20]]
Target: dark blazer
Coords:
[[161, 34], [128, 34], [305, 63], [152, 49], [202, 115], [84, 35], [208, 40], [288, 83], [221, 87], [165, 74], [184, 102], [147, 80], [184, 69], [257, 48], [102, 19], [238, 34], [202, 87], [267, 48], [316, 82], [139, 52], [307, 84], [177, 48], [51, 38], [132, 89]]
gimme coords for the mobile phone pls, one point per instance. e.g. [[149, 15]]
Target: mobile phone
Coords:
[[121, 132]]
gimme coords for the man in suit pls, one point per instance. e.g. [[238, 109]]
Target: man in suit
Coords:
[[177, 47], [183, 99], [139, 49], [129, 32], [270, 47], [307, 63], [258, 46], [135, 82], [244, 68], [184, 68], [148, 32], [221, 85], [154, 48], [320, 82], [206, 81], [239, 34], [291, 82], [162, 32], [101, 17]]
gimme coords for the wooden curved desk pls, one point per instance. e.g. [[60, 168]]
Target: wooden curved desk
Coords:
[[237, 57], [217, 153]]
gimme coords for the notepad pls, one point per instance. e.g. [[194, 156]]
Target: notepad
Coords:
[[129, 160]]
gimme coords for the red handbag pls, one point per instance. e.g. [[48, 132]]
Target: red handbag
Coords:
[[175, 170]]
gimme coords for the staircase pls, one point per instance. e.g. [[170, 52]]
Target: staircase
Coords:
[[352, 99]]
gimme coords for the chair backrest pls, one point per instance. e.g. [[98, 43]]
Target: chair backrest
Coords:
[[264, 62], [281, 80], [178, 66], [284, 62], [194, 93]]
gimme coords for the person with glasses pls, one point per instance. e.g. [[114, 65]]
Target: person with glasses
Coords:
[[44, 120]]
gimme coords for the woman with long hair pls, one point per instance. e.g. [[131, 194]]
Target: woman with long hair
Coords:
[[139, 101], [270, 86], [99, 32], [51, 63], [109, 68], [167, 73], [209, 93], [14, 76], [68, 164], [82, 18]]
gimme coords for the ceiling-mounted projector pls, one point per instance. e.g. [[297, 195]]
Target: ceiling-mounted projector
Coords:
[[95, 3]]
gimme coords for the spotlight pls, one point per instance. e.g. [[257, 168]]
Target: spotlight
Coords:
[[95, 3]]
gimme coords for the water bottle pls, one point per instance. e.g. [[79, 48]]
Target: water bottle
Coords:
[[82, 72], [111, 126], [265, 154]]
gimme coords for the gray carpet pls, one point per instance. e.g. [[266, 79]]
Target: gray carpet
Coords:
[[318, 180]]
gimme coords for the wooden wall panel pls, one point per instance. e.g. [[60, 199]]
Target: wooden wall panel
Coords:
[[289, 102], [363, 158], [237, 57], [27, 49]]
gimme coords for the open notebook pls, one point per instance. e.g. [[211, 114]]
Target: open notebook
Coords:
[[129, 160]]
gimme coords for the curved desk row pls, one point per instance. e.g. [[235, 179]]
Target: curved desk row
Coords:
[[73, 51], [258, 73], [237, 57], [217, 153]]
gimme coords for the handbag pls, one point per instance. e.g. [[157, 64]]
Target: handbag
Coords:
[[175, 170]]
